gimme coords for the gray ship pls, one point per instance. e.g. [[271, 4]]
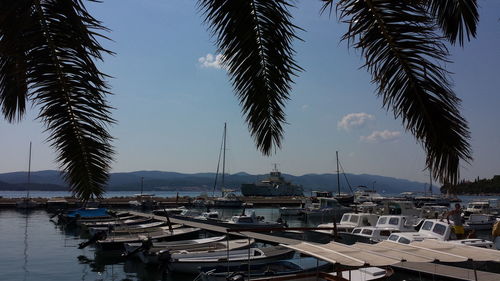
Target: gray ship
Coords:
[[275, 185]]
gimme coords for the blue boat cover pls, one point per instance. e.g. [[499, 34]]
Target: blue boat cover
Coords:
[[87, 213]]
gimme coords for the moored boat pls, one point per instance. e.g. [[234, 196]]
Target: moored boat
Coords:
[[190, 263], [157, 254], [117, 242]]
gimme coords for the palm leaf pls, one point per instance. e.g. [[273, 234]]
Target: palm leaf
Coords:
[[457, 18], [60, 48], [14, 18], [402, 53], [254, 38]]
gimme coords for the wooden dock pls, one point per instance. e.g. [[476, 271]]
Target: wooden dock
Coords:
[[447, 272], [215, 228]]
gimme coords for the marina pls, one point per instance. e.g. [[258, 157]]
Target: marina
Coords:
[[131, 237]]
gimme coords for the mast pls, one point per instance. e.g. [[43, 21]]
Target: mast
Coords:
[[142, 185], [430, 181], [224, 155], [338, 172], [29, 175]]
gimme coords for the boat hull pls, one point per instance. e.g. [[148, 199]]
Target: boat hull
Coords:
[[270, 190]]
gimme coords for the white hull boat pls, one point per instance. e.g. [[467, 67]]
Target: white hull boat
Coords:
[[191, 263], [155, 255]]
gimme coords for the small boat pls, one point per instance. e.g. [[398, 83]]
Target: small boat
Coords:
[[156, 254], [350, 221], [434, 229], [117, 222], [82, 214], [274, 269], [27, 203], [174, 245], [361, 274], [385, 226], [117, 242], [328, 209], [123, 229], [190, 263], [480, 222]]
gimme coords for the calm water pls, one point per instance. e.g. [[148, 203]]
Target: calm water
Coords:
[[34, 248]]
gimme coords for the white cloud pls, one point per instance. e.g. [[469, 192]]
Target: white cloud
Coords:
[[355, 120], [381, 136], [211, 61]]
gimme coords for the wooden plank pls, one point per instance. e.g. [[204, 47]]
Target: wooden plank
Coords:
[[220, 229], [446, 271]]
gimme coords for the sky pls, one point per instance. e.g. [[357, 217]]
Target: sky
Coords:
[[171, 99]]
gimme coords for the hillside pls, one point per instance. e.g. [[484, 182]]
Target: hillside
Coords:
[[158, 180], [478, 186]]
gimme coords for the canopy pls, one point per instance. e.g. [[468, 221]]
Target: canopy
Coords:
[[389, 253]]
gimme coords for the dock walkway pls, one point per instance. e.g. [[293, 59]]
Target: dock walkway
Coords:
[[220, 229], [448, 272]]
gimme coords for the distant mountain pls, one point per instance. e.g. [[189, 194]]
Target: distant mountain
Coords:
[[159, 180]]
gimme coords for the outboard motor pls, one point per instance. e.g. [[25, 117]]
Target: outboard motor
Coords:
[[236, 276], [100, 235]]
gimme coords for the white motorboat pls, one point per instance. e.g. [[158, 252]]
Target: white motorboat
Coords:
[[361, 274], [350, 221], [435, 229], [386, 225], [124, 229], [480, 222], [157, 253], [117, 242], [327, 209], [190, 263]]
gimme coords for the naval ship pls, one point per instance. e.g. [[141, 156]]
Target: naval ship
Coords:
[[274, 185]]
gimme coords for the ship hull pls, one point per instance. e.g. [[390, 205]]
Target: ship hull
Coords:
[[267, 190]]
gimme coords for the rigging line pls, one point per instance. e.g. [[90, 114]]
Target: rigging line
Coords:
[[348, 183]]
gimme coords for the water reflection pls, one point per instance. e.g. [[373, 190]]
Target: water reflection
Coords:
[[25, 264]]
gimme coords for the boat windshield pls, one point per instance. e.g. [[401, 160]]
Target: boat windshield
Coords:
[[394, 221], [367, 231], [345, 217], [439, 229], [354, 219], [427, 225], [404, 240], [382, 220]]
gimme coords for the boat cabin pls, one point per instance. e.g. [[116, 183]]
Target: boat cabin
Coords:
[[403, 208], [351, 220], [386, 225], [478, 207]]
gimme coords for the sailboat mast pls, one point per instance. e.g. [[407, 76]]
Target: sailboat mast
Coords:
[[29, 175], [430, 181], [338, 172], [224, 156]]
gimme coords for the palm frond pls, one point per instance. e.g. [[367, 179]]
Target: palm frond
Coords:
[[402, 54], [14, 16], [60, 48], [457, 18], [254, 38]]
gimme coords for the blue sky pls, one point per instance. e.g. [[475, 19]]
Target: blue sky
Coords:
[[171, 100]]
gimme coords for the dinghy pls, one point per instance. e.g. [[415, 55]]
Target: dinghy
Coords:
[[124, 229], [192, 262], [156, 255], [117, 242]]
